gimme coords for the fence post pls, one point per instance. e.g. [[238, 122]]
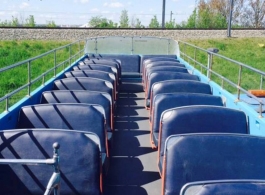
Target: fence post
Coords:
[[54, 74], [210, 60], [29, 77], [239, 82]]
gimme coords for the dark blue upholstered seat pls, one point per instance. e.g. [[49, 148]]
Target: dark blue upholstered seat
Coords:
[[162, 68], [202, 157], [83, 83], [199, 119], [100, 67], [158, 64], [129, 62], [82, 96], [162, 76], [173, 86], [79, 161], [110, 63], [231, 187], [83, 117], [145, 59], [167, 101], [95, 74]]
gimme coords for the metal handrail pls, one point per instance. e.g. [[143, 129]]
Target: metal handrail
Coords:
[[209, 70], [54, 182], [72, 57]]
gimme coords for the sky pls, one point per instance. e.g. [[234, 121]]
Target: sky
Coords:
[[79, 12]]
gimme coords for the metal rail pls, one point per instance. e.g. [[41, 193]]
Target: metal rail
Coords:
[[54, 182], [42, 76], [209, 69]]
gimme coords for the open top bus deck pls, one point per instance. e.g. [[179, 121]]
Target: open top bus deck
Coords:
[[132, 115]]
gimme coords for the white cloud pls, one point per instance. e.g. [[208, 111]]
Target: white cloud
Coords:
[[24, 5], [175, 0], [81, 1], [84, 1], [95, 10], [113, 5]]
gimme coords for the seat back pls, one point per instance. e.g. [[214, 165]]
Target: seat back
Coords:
[[201, 157], [149, 59], [231, 187], [83, 83], [162, 76], [148, 71], [161, 64], [163, 102], [81, 96], [80, 163], [94, 74], [173, 86], [115, 65], [83, 117], [199, 119], [101, 67]]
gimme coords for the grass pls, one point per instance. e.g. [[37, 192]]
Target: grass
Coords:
[[245, 50], [12, 52]]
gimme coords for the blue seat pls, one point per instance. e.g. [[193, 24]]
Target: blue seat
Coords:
[[146, 59], [82, 96], [107, 62], [199, 119], [167, 101], [79, 163], [202, 157], [231, 187], [83, 83], [160, 64], [95, 74], [148, 71], [83, 117], [173, 86], [103, 60], [100, 67], [162, 76], [128, 62]]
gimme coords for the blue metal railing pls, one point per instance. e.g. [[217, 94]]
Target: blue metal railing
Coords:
[[209, 70]]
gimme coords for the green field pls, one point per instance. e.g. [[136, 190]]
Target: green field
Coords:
[[246, 50], [16, 51], [249, 51]]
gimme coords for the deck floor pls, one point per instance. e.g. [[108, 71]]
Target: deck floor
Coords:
[[133, 163]]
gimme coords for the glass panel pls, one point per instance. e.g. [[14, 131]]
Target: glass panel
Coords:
[[90, 46], [124, 45], [150, 45], [173, 47], [114, 45]]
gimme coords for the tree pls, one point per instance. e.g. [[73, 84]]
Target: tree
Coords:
[[171, 24], [138, 23], [5, 23], [154, 23], [191, 22], [14, 22], [30, 21], [51, 24], [124, 19], [99, 22], [222, 7], [254, 14]]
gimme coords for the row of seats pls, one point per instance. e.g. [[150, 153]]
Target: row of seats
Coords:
[[78, 114], [197, 137]]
